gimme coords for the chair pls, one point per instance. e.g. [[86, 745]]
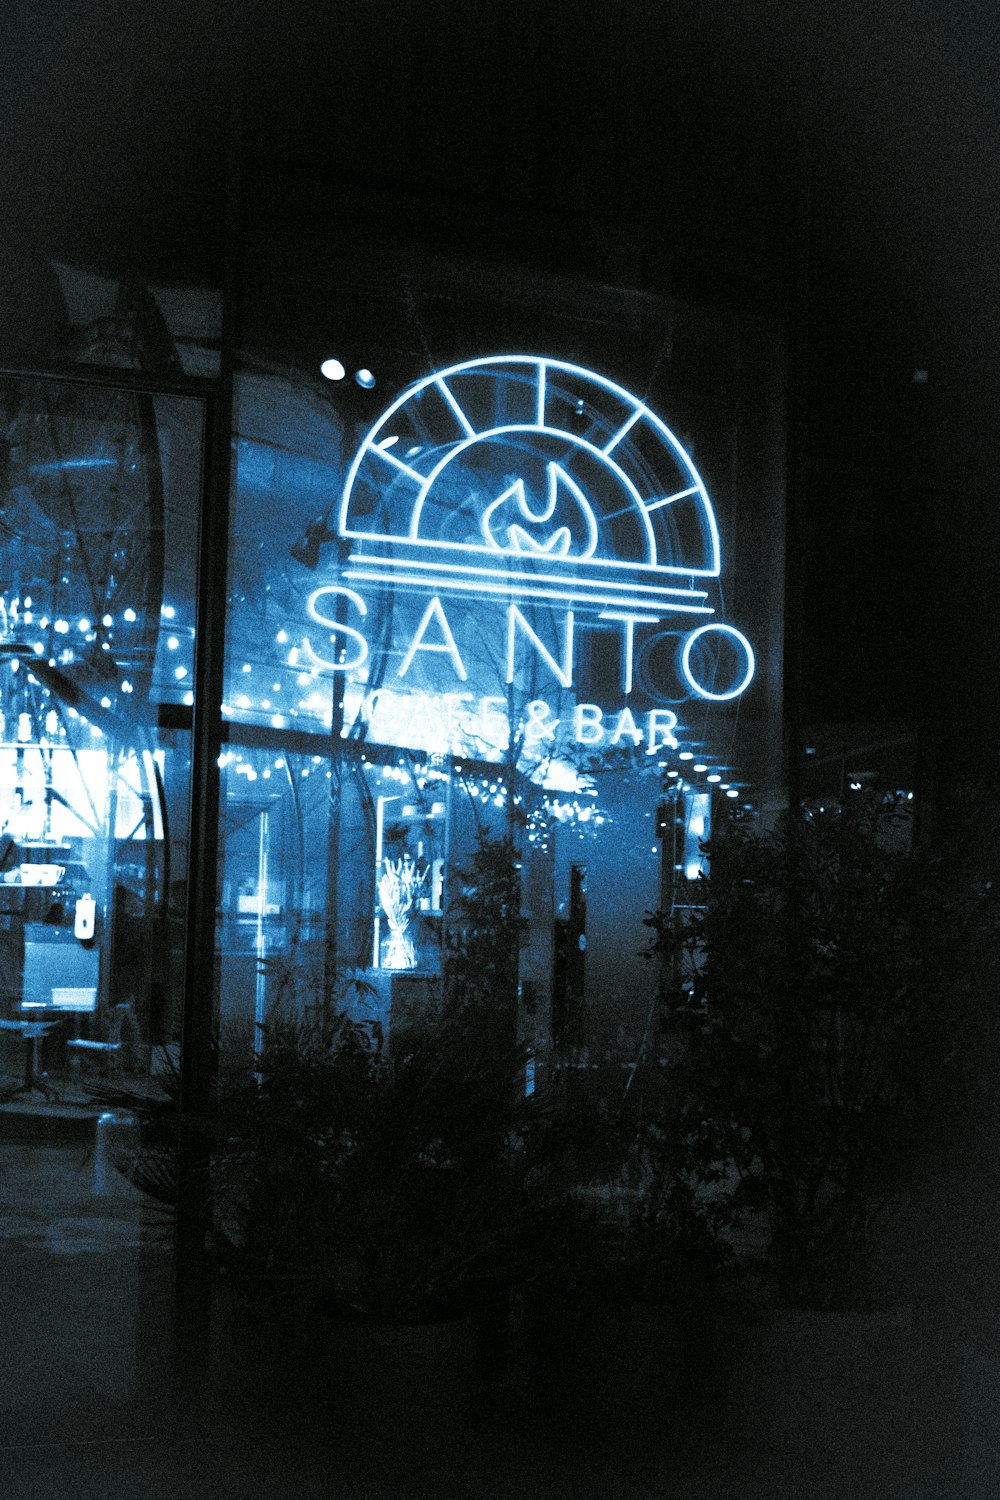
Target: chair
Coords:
[[110, 1049]]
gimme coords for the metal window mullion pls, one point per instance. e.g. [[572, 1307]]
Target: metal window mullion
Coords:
[[199, 1053], [192, 1281]]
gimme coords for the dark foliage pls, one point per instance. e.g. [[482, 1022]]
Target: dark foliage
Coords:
[[831, 1009]]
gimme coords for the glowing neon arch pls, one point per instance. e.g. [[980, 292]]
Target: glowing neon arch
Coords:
[[630, 521]]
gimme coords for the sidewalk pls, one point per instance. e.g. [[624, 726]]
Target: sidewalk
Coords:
[[241, 1465], [239, 1449]]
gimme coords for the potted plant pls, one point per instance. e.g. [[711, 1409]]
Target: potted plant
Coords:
[[374, 1199], [821, 1014]]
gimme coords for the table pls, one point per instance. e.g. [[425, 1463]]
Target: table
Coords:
[[32, 1033]]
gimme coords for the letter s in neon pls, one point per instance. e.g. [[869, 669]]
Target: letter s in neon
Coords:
[[336, 626]]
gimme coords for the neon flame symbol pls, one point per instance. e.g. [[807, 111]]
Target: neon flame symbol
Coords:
[[504, 534]]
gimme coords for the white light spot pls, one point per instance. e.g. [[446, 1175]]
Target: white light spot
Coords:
[[332, 369]]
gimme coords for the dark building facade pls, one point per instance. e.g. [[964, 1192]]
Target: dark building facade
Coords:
[[383, 474]]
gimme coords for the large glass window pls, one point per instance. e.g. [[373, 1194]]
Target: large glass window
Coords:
[[100, 501], [505, 557]]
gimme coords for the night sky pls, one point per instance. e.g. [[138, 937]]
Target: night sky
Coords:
[[838, 165]]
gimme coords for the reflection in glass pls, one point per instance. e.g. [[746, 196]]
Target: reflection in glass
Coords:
[[100, 497]]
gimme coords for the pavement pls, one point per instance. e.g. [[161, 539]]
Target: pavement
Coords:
[[86, 1411]]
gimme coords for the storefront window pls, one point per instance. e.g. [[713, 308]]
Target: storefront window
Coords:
[[101, 494], [474, 589]]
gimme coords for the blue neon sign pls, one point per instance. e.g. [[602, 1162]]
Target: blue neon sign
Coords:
[[700, 637], [614, 502], [537, 485]]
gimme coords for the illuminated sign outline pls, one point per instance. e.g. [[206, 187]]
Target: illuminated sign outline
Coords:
[[521, 540], [368, 561], [685, 662], [625, 600]]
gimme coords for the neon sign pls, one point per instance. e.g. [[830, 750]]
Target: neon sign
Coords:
[[520, 503], [434, 635], [595, 492], [467, 723]]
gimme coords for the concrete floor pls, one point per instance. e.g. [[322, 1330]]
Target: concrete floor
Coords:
[[84, 1367]]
